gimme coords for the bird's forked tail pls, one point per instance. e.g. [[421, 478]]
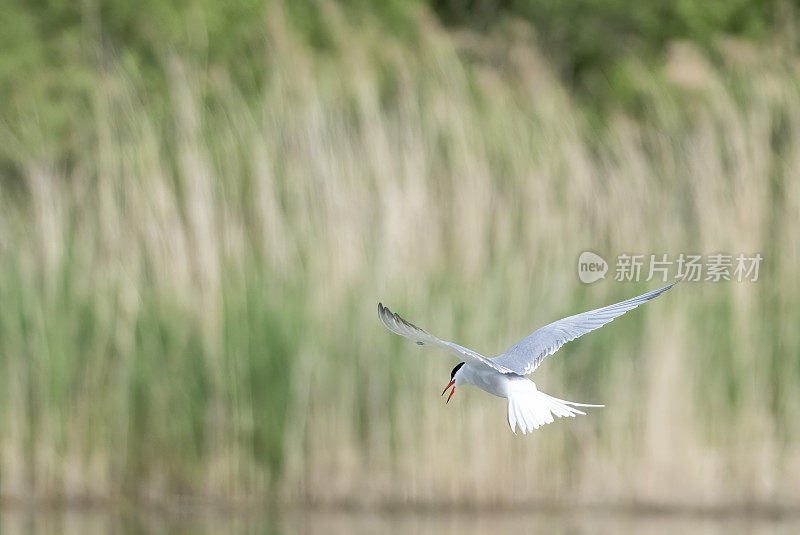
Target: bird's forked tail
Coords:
[[528, 408]]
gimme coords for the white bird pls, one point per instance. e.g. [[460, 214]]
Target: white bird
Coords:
[[504, 375]]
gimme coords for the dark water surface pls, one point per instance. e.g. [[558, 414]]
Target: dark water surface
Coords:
[[69, 522]]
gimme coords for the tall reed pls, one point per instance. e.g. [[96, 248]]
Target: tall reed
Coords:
[[189, 295]]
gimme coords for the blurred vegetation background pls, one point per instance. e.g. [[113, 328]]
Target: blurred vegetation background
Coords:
[[201, 204]]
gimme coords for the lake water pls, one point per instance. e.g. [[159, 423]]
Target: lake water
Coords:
[[38, 522]]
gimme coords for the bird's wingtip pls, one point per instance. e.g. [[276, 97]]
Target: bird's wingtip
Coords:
[[679, 278]]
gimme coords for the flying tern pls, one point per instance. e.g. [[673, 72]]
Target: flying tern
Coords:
[[504, 375]]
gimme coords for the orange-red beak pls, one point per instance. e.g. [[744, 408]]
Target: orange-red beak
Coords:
[[451, 383]]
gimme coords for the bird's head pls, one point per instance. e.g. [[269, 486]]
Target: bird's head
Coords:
[[455, 380]]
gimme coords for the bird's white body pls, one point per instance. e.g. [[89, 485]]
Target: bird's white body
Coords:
[[528, 408], [504, 375], [490, 381]]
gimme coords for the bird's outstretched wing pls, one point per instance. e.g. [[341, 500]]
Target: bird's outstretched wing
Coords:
[[529, 352], [398, 325]]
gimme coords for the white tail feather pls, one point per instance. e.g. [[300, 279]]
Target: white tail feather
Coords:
[[529, 409]]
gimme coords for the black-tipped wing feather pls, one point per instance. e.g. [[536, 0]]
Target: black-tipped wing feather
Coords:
[[398, 325]]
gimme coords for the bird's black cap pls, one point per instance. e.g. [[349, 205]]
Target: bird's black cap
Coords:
[[458, 366]]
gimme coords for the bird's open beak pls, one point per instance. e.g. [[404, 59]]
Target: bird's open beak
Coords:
[[451, 383]]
